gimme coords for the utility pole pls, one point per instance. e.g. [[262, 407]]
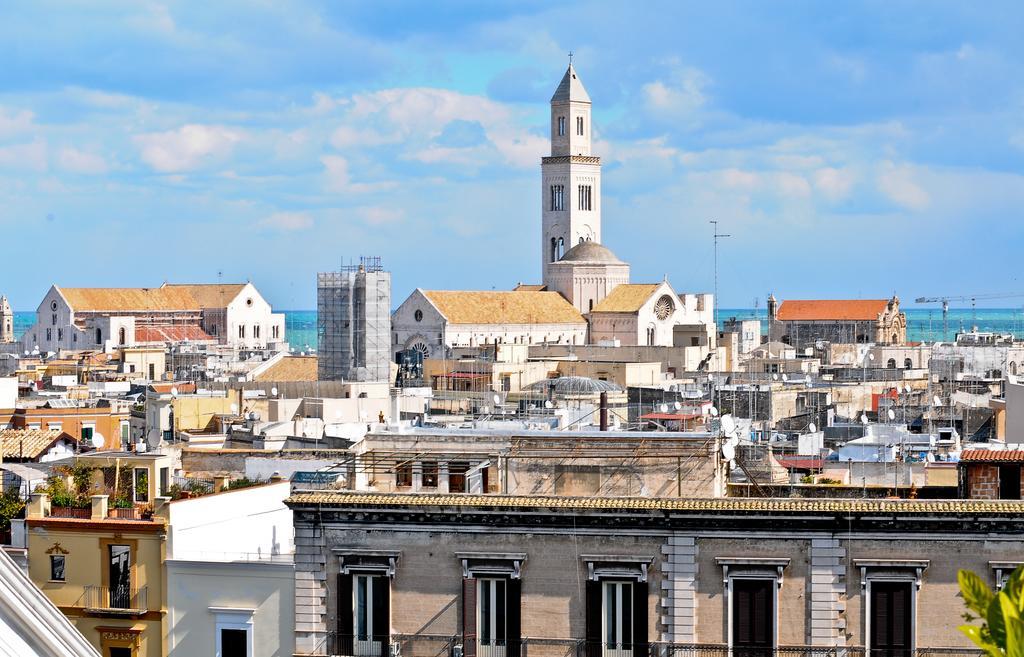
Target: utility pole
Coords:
[[714, 306]]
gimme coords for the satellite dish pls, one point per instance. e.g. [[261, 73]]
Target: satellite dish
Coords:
[[677, 406], [548, 404], [871, 356], [728, 452], [936, 401], [807, 379], [711, 378], [812, 427], [174, 391], [663, 408], [273, 391], [785, 378], [713, 411], [98, 440], [775, 377], [728, 425], [234, 408], [497, 399], [907, 389], [891, 414], [863, 418], [733, 440]]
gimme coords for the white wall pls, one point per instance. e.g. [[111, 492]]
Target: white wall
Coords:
[[1015, 413], [198, 591], [8, 391], [238, 524]]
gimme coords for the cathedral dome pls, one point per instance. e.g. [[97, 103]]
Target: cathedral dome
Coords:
[[590, 251]]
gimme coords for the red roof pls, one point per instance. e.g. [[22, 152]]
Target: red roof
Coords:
[[835, 310], [801, 463], [179, 333], [992, 455]]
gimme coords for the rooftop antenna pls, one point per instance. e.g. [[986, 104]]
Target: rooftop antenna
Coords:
[[714, 302]]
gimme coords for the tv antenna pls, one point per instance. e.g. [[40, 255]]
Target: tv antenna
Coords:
[[714, 312]]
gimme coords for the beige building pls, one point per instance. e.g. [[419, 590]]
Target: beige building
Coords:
[[648, 314], [621, 577], [803, 323]]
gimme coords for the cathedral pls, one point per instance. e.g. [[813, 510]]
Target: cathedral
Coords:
[[585, 295]]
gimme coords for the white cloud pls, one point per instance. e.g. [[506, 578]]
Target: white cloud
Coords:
[[834, 184], [378, 215], [76, 161], [187, 148], [792, 185], [681, 91], [898, 184], [30, 156], [337, 177], [15, 123], [287, 221]]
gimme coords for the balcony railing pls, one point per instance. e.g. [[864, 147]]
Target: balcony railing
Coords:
[[70, 512], [117, 600], [332, 644]]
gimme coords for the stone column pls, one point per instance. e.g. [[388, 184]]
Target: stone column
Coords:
[[442, 477], [679, 589], [310, 590], [828, 593]]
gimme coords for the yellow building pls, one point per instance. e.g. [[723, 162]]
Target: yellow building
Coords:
[[103, 568]]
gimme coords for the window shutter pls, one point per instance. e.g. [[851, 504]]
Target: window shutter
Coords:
[[593, 625], [513, 618], [345, 617], [469, 617], [640, 645], [382, 612]]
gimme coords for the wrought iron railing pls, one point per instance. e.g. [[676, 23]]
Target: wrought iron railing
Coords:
[[116, 600]]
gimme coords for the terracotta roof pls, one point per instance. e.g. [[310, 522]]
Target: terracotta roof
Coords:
[[732, 504], [184, 387], [801, 463], [180, 333], [128, 298], [291, 368], [837, 309], [626, 298], [504, 307], [209, 295], [1016, 455], [29, 443]]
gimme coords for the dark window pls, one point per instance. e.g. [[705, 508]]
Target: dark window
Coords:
[[364, 608], [403, 475], [753, 613], [165, 479], [561, 126], [1009, 482], [99, 336], [616, 618], [120, 577], [890, 619], [234, 643], [119, 652], [152, 372], [457, 477], [579, 125], [429, 474], [57, 567], [122, 336]]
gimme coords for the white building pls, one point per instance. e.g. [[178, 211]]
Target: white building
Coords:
[[647, 314], [230, 574], [433, 321], [105, 318]]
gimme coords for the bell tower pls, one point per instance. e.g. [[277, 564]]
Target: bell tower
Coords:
[[570, 176], [6, 321]]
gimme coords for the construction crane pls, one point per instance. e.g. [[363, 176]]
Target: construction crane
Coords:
[[974, 298]]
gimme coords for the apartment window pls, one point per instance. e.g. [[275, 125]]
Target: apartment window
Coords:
[[617, 606], [256, 330], [33, 425], [140, 481], [120, 589], [584, 197], [87, 432], [429, 474], [403, 476], [1009, 481], [491, 617], [57, 563], [234, 633], [491, 603], [753, 613], [557, 197], [457, 477], [617, 617], [54, 426], [579, 125], [241, 330], [561, 126], [165, 480], [891, 633], [364, 614]]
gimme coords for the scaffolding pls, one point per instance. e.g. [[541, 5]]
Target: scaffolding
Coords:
[[354, 323]]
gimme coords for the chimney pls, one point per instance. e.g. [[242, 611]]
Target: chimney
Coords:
[[604, 411]]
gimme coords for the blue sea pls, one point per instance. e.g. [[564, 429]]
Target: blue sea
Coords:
[[922, 323]]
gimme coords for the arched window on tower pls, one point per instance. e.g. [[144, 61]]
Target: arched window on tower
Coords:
[[99, 336], [891, 363], [554, 249], [561, 126], [561, 249], [122, 336], [908, 364], [579, 125]]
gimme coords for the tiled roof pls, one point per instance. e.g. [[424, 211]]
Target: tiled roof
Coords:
[[29, 443], [291, 368], [626, 298], [530, 287], [837, 309], [99, 299], [183, 387], [179, 333], [209, 295], [504, 307], [1015, 455], [726, 504]]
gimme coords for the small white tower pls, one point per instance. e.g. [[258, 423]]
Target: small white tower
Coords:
[[6, 321], [570, 177]]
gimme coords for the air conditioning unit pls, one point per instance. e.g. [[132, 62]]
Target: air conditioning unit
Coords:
[[395, 649], [456, 650]]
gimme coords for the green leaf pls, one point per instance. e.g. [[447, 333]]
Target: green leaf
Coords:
[[1014, 636], [977, 595], [974, 633], [995, 621]]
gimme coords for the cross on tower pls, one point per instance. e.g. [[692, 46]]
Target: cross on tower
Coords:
[[570, 58]]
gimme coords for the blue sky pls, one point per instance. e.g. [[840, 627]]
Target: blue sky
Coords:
[[850, 149]]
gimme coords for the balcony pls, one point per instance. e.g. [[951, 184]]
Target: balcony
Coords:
[[332, 644], [116, 601]]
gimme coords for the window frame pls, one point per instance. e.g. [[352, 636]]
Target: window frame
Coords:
[[63, 568], [887, 570], [759, 568], [230, 618]]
